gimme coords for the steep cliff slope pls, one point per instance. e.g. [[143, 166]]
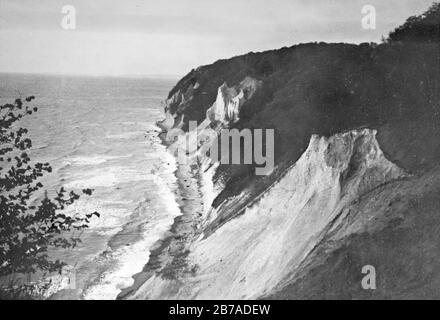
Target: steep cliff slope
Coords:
[[252, 255], [355, 182], [321, 89]]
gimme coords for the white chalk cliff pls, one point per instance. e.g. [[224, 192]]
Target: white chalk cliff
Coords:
[[252, 254], [226, 108], [224, 111]]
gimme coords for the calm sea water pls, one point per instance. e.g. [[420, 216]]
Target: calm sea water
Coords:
[[100, 133]]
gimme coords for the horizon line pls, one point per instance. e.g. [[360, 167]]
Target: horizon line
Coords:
[[103, 75]]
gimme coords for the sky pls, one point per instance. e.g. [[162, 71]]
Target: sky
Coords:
[[171, 37]]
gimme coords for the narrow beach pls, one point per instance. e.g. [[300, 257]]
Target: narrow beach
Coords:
[[168, 256]]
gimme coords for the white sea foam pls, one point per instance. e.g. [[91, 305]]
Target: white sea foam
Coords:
[[108, 177], [96, 134], [129, 260], [126, 135], [89, 160]]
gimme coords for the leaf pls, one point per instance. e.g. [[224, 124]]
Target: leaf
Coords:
[[28, 231]]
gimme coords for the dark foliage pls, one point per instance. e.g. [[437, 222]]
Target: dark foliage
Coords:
[[425, 27], [28, 229]]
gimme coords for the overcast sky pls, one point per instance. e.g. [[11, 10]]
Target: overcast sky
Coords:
[[170, 37]]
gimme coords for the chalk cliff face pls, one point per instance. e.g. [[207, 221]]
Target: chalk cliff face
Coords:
[[223, 113], [226, 108], [252, 255], [249, 257], [355, 182]]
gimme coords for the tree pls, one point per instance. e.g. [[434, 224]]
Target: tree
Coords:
[[425, 27], [27, 230]]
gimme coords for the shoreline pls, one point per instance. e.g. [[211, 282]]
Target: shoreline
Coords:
[[130, 235], [168, 255]]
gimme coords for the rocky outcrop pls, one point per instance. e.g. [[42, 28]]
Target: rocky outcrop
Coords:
[[223, 113], [226, 108]]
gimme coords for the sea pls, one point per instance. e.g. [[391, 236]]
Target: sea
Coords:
[[100, 133]]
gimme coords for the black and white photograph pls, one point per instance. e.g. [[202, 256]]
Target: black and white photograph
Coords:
[[229, 150]]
